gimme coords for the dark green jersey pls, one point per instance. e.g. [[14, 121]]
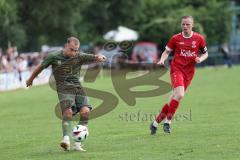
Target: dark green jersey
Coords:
[[66, 71]]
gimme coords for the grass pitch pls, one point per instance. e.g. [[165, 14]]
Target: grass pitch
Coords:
[[206, 125]]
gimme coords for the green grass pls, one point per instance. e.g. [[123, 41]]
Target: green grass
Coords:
[[207, 125]]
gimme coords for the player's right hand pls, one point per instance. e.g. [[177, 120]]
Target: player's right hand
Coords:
[[29, 82], [161, 63]]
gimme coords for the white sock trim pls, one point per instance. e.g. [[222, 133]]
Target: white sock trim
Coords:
[[167, 121], [66, 138], [155, 123], [78, 143]]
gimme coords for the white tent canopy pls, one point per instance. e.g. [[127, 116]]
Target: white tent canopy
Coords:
[[121, 34]]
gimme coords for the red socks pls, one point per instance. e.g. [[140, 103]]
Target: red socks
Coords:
[[168, 111], [172, 108], [163, 113]]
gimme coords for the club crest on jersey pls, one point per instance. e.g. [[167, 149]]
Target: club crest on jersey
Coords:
[[194, 44], [59, 62]]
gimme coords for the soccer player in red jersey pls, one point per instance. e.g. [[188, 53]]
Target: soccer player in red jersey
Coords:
[[186, 47]]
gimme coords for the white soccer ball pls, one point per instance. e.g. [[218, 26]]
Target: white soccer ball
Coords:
[[80, 133]]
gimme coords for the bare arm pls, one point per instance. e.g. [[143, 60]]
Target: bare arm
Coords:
[[164, 56], [35, 73], [202, 58]]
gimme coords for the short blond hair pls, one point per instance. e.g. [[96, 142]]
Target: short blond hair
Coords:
[[188, 16], [73, 39]]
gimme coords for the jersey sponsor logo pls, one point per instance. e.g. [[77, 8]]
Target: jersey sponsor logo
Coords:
[[188, 53]]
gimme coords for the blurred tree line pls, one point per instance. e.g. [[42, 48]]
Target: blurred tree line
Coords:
[[30, 23]]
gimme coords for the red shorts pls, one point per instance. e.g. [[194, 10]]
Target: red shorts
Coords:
[[179, 78]]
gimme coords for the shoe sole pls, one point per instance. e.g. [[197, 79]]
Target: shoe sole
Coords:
[[153, 133], [64, 146], [167, 132]]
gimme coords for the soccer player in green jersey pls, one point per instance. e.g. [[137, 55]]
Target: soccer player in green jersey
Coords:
[[66, 65]]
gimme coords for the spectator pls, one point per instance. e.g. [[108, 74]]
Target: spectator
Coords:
[[225, 50], [20, 64], [145, 54]]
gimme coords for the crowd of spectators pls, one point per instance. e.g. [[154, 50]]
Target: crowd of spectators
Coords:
[[140, 55], [12, 61]]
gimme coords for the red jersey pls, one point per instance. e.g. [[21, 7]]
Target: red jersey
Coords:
[[186, 49]]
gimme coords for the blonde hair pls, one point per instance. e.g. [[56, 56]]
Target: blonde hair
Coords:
[[188, 16], [73, 39]]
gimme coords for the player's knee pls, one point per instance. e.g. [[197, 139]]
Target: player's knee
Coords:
[[68, 113], [84, 112], [178, 96]]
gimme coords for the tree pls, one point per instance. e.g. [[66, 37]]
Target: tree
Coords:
[[102, 16], [48, 22], [158, 21], [30, 24], [12, 33]]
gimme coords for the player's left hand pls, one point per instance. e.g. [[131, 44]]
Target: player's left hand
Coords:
[[101, 58], [198, 60]]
